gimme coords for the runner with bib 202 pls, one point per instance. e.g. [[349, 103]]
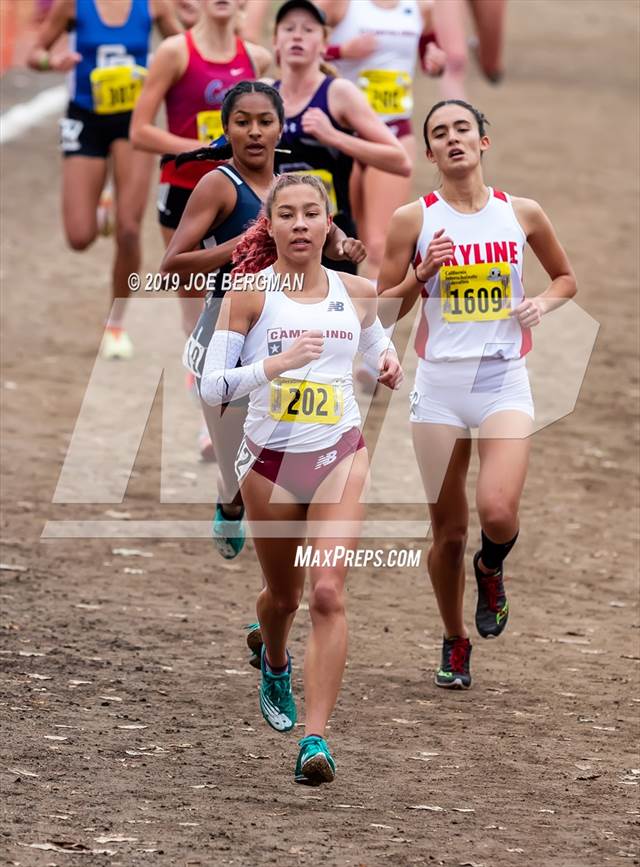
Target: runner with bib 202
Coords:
[[303, 463], [466, 243]]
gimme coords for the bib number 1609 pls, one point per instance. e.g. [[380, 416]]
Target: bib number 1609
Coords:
[[475, 293]]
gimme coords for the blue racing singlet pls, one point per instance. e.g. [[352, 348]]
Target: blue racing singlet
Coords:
[[103, 46]]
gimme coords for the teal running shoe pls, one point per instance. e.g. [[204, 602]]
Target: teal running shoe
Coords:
[[276, 698], [315, 763], [228, 534], [254, 643]]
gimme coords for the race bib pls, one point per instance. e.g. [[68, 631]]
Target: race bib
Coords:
[[209, 125], [245, 459], [116, 88], [387, 91], [305, 402], [327, 179], [476, 293]]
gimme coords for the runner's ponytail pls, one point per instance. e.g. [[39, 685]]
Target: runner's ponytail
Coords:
[[256, 250]]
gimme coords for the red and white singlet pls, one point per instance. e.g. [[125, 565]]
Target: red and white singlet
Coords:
[[466, 306]]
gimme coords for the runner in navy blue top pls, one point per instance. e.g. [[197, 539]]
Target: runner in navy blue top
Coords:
[[218, 212]]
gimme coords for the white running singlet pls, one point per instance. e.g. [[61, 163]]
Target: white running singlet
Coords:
[[466, 306], [398, 33], [284, 414]]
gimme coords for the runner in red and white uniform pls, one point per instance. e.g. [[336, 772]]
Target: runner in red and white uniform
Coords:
[[192, 73], [466, 242], [374, 43], [303, 458]]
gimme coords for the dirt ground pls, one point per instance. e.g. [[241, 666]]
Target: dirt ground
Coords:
[[131, 729]]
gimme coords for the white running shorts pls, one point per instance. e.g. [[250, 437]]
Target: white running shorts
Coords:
[[465, 393]]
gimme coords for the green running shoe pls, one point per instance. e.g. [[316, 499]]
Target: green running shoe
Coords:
[[276, 698], [228, 534], [492, 607], [315, 763], [254, 643]]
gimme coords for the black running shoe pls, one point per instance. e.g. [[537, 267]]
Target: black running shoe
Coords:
[[454, 670], [492, 608]]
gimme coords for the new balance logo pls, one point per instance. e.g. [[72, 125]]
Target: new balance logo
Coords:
[[335, 305], [326, 459]]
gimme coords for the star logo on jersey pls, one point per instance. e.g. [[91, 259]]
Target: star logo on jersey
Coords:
[[335, 306], [274, 347], [326, 459]]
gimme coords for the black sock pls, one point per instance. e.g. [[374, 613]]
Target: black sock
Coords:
[[493, 554], [276, 669], [228, 517]]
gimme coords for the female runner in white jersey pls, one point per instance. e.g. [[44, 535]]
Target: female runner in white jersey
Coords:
[[466, 242], [383, 67], [303, 457]]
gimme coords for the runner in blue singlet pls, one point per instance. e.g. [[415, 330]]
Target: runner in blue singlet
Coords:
[[106, 59]]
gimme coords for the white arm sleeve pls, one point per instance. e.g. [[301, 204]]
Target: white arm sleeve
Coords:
[[221, 380], [373, 342]]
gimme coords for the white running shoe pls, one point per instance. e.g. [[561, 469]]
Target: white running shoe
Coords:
[[105, 215], [116, 344]]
